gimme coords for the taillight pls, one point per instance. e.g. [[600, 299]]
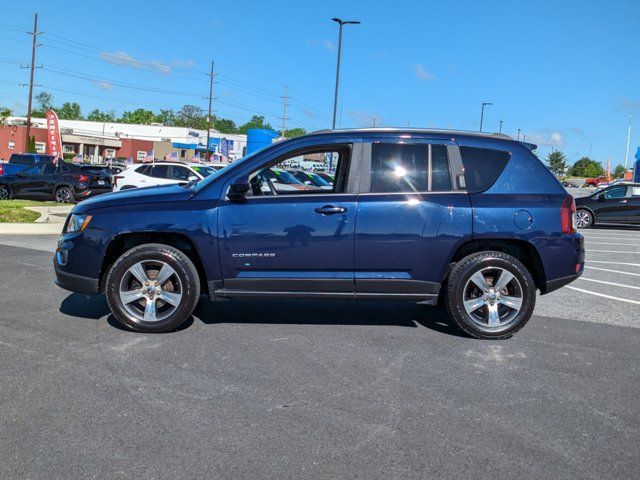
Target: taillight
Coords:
[[114, 180], [83, 178], [1, 169], [567, 211]]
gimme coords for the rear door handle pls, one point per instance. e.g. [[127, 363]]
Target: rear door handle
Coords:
[[330, 210]]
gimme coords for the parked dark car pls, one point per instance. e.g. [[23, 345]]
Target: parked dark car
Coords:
[[64, 182], [616, 204], [311, 179], [426, 216], [19, 161]]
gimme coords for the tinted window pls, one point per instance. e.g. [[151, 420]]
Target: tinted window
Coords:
[[35, 170], [482, 166], [160, 171], [22, 159], [63, 167], [180, 173], [144, 170], [615, 192], [49, 169], [405, 168]]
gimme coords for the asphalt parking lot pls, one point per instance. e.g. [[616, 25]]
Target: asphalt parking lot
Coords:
[[320, 390]]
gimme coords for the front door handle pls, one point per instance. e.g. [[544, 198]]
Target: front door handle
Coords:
[[330, 210]]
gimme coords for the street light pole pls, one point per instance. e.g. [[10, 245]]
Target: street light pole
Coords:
[[518, 134], [500, 131], [341, 23], [482, 112], [626, 155]]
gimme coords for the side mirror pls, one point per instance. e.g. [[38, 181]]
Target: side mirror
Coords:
[[601, 198], [238, 189]]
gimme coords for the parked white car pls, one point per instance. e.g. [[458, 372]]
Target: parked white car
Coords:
[[159, 173]]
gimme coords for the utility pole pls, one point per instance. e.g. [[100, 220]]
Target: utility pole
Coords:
[[500, 131], [341, 24], [284, 111], [518, 134], [373, 121], [209, 117], [34, 45], [626, 155]]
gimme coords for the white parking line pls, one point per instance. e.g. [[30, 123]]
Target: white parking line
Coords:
[[611, 251], [615, 243], [610, 237], [615, 263], [608, 283], [613, 271], [603, 295]]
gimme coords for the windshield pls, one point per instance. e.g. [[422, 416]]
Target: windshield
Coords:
[[318, 180], [204, 171], [286, 177]]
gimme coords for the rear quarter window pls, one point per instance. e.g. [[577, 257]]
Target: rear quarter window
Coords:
[[482, 167]]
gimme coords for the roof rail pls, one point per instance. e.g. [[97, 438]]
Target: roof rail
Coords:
[[412, 130]]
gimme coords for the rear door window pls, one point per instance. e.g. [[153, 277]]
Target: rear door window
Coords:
[[482, 167], [409, 168], [49, 169], [160, 171], [180, 173], [615, 192]]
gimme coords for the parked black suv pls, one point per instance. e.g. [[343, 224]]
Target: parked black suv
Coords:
[[64, 182]]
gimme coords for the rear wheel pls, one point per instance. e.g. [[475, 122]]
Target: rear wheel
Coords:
[[153, 288], [584, 218], [490, 295], [64, 195], [5, 193]]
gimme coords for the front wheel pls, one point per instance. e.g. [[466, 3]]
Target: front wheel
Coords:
[[5, 193], [490, 295], [153, 288], [584, 219]]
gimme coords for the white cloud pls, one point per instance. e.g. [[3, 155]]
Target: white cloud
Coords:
[[545, 138], [627, 104], [422, 73], [104, 85], [127, 60]]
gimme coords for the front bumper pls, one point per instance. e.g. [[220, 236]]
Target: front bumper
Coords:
[[75, 283]]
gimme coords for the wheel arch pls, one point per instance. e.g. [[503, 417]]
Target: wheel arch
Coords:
[[126, 241], [520, 249], [588, 209]]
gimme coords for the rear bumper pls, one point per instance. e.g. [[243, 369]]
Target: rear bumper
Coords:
[[573, 264], [91, 192]]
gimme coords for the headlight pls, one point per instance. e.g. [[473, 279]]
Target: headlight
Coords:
[[77, 223]]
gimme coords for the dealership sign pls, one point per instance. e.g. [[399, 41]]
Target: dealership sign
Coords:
[[54, 141]]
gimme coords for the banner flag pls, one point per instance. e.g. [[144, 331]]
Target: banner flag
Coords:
[[54, 140]]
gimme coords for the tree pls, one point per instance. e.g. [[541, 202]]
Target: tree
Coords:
[[44, 101], [257, 121], [140, 116], [31, 144], [69, 111], [619, 171], [294, 132], [4, 113], [577, 170], [593, 170], [97, 115], [166, 117], [557, 162], [224, 125], [191, 116]]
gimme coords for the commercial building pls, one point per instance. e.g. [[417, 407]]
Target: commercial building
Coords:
[[100, 140]]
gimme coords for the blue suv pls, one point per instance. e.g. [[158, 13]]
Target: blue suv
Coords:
[[468, 220]]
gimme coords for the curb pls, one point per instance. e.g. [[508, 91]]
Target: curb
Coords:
[[31, 228]]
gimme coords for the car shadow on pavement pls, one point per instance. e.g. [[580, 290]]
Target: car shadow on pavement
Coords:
[[304, 312], [85, 306]]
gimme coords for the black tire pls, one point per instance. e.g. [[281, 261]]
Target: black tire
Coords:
[[584, 218], [64, 194], [5, 192], [459, 285], [185, 282]]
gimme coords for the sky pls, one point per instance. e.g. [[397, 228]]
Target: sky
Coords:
[[566, 73]]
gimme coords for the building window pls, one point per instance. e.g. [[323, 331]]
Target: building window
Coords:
[[183, 153], [12, 145], [41, 147], [141, 154], [68, 148]]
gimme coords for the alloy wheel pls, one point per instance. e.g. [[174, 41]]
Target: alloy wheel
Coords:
[[64, 195], [150, 291], [583, 219], [493, 297], [4, 192]]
